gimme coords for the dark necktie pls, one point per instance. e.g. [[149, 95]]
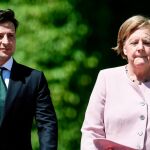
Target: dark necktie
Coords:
[[3, 91]]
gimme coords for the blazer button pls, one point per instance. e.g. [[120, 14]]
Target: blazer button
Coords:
[[140, 133], [142, 103], [142, 117]]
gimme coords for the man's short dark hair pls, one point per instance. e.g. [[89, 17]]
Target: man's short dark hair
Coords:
[[8, 15]]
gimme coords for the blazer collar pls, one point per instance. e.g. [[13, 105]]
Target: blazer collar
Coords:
[[8, 64]]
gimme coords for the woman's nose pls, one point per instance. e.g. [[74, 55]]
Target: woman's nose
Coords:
[[140, 46]]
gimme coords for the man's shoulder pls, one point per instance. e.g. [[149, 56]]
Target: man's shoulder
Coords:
[[25, 71], [23, 67]]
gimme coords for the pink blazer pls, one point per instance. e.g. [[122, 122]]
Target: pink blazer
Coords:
[[118, 110]]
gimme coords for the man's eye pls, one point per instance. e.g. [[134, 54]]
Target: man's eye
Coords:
[[11, 35]]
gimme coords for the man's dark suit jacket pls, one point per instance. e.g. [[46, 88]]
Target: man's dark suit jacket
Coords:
[[28, 96]]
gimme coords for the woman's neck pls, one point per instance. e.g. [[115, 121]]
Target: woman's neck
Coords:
[[138, 74]]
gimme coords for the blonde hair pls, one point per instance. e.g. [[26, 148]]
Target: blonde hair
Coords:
[[127, 28]]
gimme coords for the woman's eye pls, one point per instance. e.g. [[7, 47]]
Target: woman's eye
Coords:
[[147, 42], [134, 43]]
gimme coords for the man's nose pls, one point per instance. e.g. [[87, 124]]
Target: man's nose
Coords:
[[5, 39]]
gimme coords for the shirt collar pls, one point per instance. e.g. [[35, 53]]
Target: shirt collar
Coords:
[[8, 64]]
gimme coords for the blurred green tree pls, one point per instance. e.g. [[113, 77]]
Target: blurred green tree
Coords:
[[50, 38], [68, 41]]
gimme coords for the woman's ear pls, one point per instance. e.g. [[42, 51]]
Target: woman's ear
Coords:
[[125, 51]]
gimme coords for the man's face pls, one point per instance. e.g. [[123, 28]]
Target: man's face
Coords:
[[7, 41]]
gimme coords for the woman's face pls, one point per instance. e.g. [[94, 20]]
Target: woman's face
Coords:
[[137, 48]]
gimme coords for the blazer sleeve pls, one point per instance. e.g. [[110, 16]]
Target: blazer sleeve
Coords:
[[46, 117], [93, 125]]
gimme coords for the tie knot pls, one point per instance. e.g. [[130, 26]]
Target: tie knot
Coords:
[[1, 69]]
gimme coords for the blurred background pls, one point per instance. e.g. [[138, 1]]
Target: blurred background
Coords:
[[70, 41]]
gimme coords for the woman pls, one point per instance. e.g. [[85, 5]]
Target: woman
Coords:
[[119, 106]]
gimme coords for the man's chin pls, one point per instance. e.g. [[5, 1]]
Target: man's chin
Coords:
[[3, 59]]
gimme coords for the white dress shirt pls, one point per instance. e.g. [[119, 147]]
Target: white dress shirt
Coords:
[[6, 73]]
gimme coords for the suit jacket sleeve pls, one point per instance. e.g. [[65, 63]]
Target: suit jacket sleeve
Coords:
[[46, 117]]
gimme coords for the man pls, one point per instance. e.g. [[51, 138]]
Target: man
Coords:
[[27, 96]]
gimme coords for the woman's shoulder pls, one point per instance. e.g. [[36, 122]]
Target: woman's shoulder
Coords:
[[113, 71]]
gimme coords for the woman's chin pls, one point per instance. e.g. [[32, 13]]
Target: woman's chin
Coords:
[[140, 64], [140, 61]]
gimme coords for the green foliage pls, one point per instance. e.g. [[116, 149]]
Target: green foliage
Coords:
[[70, 41], [51, 37]]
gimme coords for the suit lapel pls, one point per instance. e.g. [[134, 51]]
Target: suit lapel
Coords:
[[14, 86]]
